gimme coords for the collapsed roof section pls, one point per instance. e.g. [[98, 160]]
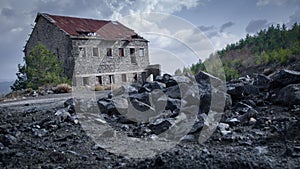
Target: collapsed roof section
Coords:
[[83, 27]]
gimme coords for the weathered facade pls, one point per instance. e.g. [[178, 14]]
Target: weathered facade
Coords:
[[93, 52]]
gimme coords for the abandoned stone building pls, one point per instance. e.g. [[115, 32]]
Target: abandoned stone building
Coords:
[[95, 52]]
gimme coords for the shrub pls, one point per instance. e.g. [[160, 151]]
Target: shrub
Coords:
[[99, 88], [63, 88], [231, 73]]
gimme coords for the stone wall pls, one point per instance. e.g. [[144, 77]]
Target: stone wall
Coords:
[[89, 66], [55, 39]]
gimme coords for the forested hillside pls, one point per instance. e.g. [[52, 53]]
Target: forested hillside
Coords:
[[270, 49]]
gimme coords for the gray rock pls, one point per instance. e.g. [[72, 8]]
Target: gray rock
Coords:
[[39, 132], [173, 104], [188, 138], [197, 126], [150, 86], [224, 128], [289, 95], [173, 92], [35, 94], [205, 79], [124, 89], [240, 90], [259, 150], [69, 102], [246, 111], [1, 146], [62, 115], [159, 126], [121, 104], [236, 90], [283, 78], [181, 79], [8, 139], [163, 79], [261, 81], [221, 101], [105, 106]]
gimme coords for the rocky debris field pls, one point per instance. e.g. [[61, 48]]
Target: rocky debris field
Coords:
[[251, 122]]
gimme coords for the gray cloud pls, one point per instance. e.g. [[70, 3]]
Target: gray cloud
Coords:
[[206, 28], [226, 25], [210, 31], [277, 2], [7, 12], [213, 34], [294, 18], [255, 25]]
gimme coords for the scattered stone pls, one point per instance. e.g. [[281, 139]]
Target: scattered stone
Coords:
[[260, 150], [252, 121], [236, 91], [188, 138], [8, 139], [62, 115], [234, 121], [1, 146], [159, 126], [224, 128], [246, 111]]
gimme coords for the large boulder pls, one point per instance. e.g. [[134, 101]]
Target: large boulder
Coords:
[[239, 89], [173, 92], [205, 79], [283, 78], [289, 95]]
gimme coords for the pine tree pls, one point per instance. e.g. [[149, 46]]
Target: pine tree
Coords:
[[41, 68]]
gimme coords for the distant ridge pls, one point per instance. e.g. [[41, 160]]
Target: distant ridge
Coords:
[[5, 87]]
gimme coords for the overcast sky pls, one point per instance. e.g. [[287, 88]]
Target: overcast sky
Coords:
[[222, 22]]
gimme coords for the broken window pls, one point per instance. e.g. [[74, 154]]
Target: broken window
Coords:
[[85, 81], [91, 34], [141, 52], [111, 79], [132, 51], [108, 52], [82, 52], [134, 77], [121, 52], [124, 79], [99, 80], [95, 52]]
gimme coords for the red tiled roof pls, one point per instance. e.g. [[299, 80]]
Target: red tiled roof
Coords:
[[110, 30]]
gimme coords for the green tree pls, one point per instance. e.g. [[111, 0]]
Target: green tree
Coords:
[[21, 82], [41, 68], [178, 72], [186, 71]]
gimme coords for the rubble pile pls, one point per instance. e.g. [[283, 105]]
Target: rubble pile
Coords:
[[257, 122]]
